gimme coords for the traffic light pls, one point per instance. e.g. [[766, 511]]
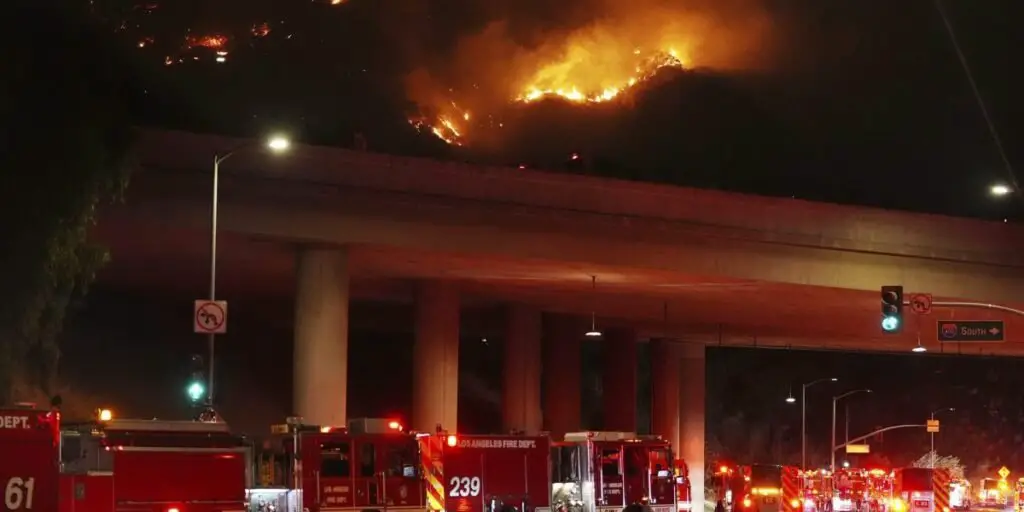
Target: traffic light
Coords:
[[892, 309], [196, 389]]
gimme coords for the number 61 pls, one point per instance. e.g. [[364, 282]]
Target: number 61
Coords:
[[18, 493]]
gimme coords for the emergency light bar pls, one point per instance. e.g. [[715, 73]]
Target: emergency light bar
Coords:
[[600, 436], [165, 426]]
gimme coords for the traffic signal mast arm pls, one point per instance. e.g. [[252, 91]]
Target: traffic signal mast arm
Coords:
[[875, 433], [976, 305]]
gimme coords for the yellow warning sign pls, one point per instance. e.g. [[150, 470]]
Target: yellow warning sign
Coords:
[[1004, 472]]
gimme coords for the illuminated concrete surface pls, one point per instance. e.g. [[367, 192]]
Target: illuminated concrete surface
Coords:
[[703, 266]]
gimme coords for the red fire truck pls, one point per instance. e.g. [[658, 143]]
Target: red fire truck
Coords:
[[913, 490], [817, 491], [374, 465], [683, 500], [622, 469], [152, 466], [773, 488], [29, 451]]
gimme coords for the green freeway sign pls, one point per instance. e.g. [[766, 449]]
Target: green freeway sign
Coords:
[[971, 330]]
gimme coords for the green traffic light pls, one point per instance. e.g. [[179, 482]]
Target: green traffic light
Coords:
[[196, 391], [890, 323]]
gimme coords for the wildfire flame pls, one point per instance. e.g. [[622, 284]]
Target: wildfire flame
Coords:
[[448, 126], [556, 81], [553, 80]]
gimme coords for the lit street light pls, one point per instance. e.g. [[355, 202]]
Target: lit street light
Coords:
[[803, 416], [835, 400], [1000, 190], [276, 144], [931, 416]]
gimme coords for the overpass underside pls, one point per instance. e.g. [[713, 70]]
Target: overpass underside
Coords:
[[680, 285]]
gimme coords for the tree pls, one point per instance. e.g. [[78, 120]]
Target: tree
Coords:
[[956, 469], [67, 133]]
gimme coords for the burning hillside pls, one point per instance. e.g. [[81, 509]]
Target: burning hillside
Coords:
[[600, 62]]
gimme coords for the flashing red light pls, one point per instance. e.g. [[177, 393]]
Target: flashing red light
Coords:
[[394, 425], [452, 441], [173, 509]]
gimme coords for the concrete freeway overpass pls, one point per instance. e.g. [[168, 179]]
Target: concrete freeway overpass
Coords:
[[683, 267]]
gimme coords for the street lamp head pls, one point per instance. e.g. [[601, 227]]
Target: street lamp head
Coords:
[[1000, 190], [833, 379], [278, 143], [790, 399]]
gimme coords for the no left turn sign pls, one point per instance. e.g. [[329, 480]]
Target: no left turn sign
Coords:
[[210, 316]]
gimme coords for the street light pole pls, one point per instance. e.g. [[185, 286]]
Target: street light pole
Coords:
[[803, 419], [276, 144], [835, 400], [931, 453], [211, 337]]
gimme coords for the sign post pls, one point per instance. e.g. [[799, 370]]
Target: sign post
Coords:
[[210, 316], [971, 330]]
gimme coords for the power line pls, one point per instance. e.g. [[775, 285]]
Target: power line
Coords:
[[977, 97]]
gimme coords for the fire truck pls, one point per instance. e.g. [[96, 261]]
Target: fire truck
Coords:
[[1018, 500], [960, 494], [683, 500], [373, 464], [124, 465], [731, 484], [817, 490], [30, 448], [913, 491], [773, 488], [993, 493], [621, 468]]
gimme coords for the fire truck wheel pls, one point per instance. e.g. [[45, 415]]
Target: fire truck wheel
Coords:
[[636, 507]]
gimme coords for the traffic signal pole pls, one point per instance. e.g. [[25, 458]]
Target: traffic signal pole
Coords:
[[974, 305], [872, 434]]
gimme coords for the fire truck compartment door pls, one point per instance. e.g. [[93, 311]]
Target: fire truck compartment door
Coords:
[[28, 463], [174, 475]]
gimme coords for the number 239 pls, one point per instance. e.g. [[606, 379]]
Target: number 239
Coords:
[[464, 486]]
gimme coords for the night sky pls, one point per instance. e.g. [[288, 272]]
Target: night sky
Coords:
[[858, 101]]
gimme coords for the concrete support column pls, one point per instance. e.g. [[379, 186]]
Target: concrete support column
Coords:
[[691, 417], [521, 384], [665, 391], [320, 378], [619, 382], [563, 374], [435, 394]]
